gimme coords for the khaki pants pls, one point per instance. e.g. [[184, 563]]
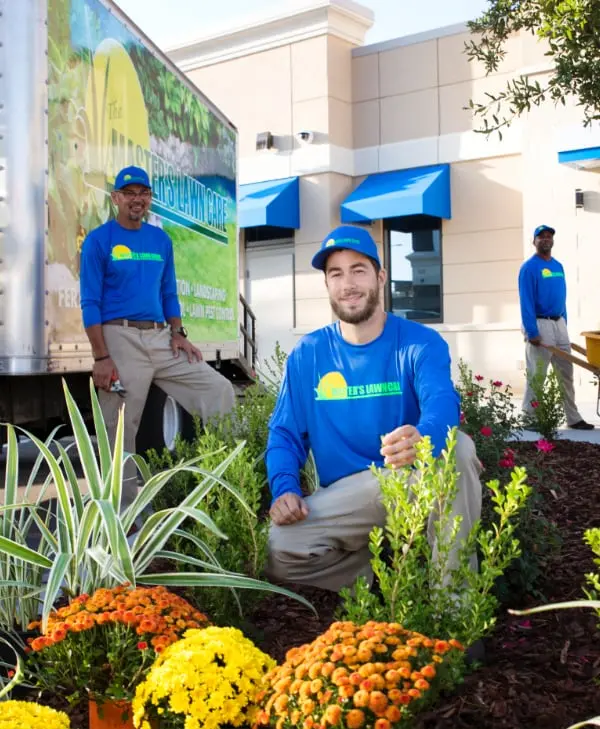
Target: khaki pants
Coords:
[[143, 357], [556, 335], [330, 548]]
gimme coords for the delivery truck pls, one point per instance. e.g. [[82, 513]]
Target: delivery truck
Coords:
[[84, 93]]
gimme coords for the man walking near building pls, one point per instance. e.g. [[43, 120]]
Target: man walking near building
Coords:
[[543, 296], [132, 318], [371, 374]]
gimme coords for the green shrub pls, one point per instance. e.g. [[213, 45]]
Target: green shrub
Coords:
[[426, 594], [245, 549], [490, 416], [547, 413]]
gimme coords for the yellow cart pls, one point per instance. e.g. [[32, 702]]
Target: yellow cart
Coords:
[[591, 352]]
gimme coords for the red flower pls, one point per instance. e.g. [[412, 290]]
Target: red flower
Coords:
[[10, 673], [497, 383], [486, 431], [462, 418], [506, 463], [535, 404], [479, 378], [469, 394], [142, 645], [544, 446]]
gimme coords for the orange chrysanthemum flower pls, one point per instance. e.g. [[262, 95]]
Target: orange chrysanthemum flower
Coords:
[[355, 718], [360, 676], [144, 610]]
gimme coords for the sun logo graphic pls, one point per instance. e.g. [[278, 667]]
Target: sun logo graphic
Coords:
[[547, 273], [121, 253], [332, 386]]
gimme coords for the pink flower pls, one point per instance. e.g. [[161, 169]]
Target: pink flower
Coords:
[[479, 378], [497, 383], [535, 404], [486, 431], [506, 463], [509, 453], [462, 418], [544, 446]]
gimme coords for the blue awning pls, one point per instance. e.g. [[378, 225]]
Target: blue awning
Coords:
[[588, 158], [417, 191], [275, 203]]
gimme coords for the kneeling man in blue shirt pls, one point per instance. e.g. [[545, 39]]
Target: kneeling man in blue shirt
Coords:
[[368, 375]]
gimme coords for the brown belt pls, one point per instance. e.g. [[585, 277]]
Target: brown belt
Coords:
[[136, 324]]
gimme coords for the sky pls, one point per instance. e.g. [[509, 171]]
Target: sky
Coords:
[[170, 22]]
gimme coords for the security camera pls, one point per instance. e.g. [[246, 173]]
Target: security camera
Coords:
[[306, 137]]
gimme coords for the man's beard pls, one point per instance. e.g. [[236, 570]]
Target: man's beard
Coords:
[[359, 315]]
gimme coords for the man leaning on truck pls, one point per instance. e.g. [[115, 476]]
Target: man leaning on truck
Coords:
[[132, 318]]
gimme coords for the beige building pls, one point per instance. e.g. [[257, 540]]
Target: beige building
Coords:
[[331, 130]]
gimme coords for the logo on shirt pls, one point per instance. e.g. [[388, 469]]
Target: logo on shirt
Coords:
[[333, 386], [547, 273], [123, 253]]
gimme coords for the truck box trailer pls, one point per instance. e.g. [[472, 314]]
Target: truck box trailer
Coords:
[[84, 93]]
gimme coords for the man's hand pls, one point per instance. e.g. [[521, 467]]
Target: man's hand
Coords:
[[398, 447], [536, 341], [179, 342], [288, 509], [104, 372]]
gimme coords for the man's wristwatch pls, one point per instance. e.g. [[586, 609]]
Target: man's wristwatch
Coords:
[[181, 330]]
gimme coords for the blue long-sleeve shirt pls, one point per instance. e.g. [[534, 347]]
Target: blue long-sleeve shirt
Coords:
[[337, 399], [542, 292], [127, 274]]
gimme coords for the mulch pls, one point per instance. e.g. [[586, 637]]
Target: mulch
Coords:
[[539, 673]]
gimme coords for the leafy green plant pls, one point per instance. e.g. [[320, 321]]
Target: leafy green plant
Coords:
[[592, 537], [489, 416], [437, 594], [101, 646], [547, 409], [21, 568], [569, 31], [245, 550], [89, 548]]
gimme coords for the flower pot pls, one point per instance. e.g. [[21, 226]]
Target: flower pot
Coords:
[[111, 715]]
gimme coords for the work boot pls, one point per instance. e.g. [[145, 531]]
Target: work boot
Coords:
[[581, 425]]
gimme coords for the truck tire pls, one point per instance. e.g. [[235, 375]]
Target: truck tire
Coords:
[[162, 421]]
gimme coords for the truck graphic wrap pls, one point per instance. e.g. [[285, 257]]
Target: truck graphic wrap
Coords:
[[112, 102]]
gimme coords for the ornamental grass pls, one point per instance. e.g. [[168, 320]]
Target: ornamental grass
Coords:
[[369, 676], [101, 646]]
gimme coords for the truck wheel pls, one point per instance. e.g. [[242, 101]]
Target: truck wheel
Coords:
[[163, 420]]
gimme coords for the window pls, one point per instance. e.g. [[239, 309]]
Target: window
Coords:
[[414, 263]]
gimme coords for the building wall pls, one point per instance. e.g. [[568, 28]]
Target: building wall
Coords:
[[402, 104], [303, 86]]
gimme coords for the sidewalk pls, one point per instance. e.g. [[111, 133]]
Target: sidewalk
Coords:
[[588, 412]]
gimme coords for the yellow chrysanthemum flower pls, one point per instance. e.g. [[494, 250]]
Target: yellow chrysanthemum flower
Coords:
[[209, 678], [28, 715]]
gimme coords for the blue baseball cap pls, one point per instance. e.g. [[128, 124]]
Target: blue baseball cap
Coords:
[[132, 176], [346, 237], [541, 229]]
